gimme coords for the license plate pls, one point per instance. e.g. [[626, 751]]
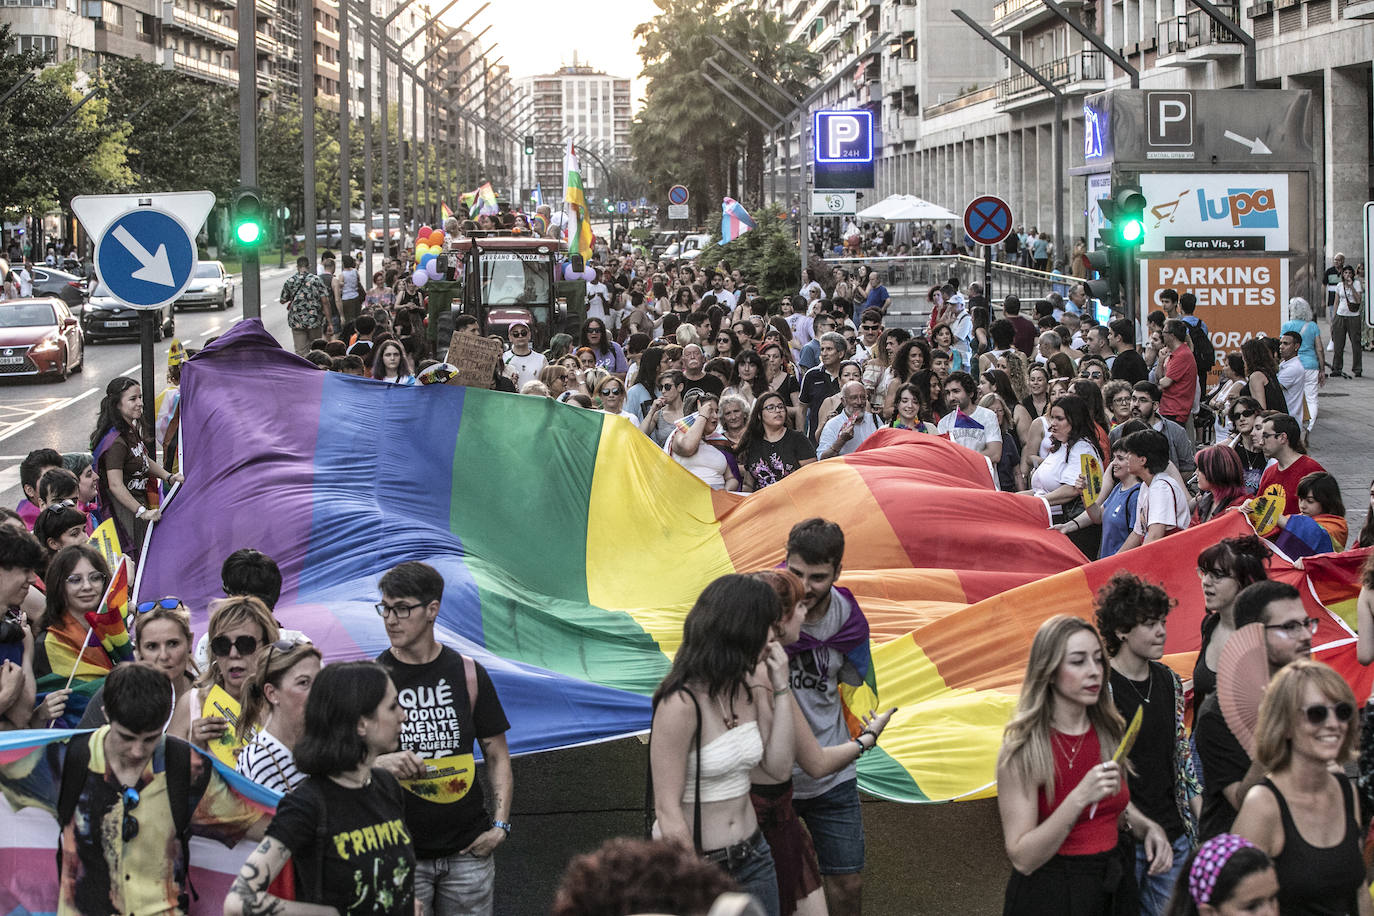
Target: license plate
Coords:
[[116, 324], [11, 360]]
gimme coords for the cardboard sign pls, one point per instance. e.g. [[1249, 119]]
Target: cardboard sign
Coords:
[[219, 703], [475, 357], [1238, 297], [1264, 514], [1092, 479]]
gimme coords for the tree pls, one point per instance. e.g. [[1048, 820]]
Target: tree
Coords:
[[182, 133], [767, 254], [689, 133]]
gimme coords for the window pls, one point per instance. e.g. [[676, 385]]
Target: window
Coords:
[[43, 44]]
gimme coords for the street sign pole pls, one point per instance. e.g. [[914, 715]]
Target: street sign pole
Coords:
[[987, 220], [147, 329]]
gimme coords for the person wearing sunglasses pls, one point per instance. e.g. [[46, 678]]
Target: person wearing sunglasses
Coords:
[[523, 364], [76, 580], [1244, 419], [666, 408], [611, 391], [606, 352], [1304, 812], [240, 628], [148, 793], [1228, 769], [274, 712]]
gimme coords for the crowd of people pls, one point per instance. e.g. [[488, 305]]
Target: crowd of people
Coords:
[[751, 763]]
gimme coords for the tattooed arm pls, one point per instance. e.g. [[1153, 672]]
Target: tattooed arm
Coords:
[[248, 895]]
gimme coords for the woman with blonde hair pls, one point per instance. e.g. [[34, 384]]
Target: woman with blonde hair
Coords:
[[1060, 793], [1305, 813], [240, 628], [163, 638], [274, 713]]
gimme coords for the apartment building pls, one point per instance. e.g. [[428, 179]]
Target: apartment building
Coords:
[[590, 107], [957, 120]]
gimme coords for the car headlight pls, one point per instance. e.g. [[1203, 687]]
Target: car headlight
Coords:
[[214, 288], [46, 345]]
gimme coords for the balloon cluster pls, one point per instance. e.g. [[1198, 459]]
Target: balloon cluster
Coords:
[[429, 244]]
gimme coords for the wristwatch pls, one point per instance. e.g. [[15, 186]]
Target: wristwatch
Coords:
[[504, 825]]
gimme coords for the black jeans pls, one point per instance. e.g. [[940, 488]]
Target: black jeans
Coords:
[[1341, 327]]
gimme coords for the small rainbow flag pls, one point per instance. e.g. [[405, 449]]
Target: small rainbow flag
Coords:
[[107, 621], [445, 211], [734, 220], [486, 199]]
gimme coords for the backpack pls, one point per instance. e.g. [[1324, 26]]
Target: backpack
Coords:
[[1204, 354], [181, 795]]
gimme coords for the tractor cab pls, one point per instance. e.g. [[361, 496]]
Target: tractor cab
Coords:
[[508, 278]]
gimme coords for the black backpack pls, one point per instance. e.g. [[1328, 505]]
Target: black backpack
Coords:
[[182, 796], [1204, 354]]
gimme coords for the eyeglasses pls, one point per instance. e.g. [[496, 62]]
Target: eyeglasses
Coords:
[[1121, 400], [518, 333], [611, 392], [221, 646], [870, 327], [1268, 435], [76, 579], [283, 646], [668, 387], [399, 611], [1317, 714], [774, 407], [1242, 413], [723, 340], [595, 330], [128, 828], [60, 505], [169, 603], [1293, 628], [1092, 375]]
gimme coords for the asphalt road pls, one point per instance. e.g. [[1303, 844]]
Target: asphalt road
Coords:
[[37, 413]]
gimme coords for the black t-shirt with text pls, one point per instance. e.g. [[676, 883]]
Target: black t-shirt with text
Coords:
[[368, 863], [768, 462], [446, 808]]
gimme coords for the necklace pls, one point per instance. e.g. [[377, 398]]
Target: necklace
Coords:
[[347, 782], [1073, 754], [1149, 685], [730, 719]]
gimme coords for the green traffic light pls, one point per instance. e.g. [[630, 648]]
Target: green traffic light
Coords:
[[248, 232], [1132, 230]]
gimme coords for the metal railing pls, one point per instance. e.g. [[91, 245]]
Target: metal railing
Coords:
[[1085, 65], [909, 279], [1179, 33]]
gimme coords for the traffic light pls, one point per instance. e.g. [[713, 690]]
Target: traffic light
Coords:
[[610, 207], [529, 144], [250, 222], [1128, 215], [1103, 286]]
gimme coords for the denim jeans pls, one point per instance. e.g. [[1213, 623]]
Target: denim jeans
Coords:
[[757, 876], [1155, 889], [836, 823], [456, 885]]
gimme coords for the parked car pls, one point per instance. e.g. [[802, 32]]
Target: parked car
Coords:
[[106, 318], [211, 287], [71, 288], [40, 336], [688, 249]]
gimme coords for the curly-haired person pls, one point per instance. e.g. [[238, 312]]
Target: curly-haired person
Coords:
[[1130, 615], [640, 876]]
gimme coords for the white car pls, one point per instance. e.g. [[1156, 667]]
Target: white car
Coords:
[[691, 247], [211, 287]]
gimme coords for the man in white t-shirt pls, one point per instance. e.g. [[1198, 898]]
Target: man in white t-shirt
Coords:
[[724, 298], [1163, 506], [522, 363], [1292, 377], [972, 427]]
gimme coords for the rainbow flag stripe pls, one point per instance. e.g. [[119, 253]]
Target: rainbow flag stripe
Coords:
[[572, 548]]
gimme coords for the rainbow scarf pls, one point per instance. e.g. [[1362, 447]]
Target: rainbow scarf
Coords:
[[572, 549]]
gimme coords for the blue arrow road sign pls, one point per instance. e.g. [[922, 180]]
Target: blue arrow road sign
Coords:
[[145, 258]]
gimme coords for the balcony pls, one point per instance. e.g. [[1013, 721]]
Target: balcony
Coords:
[[1194, 39], [961, 102], [201, 69], [1077, 74], [174, 16], [1012, 16]]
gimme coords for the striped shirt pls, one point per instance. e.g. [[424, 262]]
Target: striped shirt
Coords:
[[268, 762]]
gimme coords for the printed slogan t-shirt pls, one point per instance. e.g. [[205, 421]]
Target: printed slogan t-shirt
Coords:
[[445, 808]]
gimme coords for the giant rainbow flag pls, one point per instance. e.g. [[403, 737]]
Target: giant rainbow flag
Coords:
[[572, 548]]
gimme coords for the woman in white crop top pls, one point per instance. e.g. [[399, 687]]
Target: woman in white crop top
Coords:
[[724, 681]]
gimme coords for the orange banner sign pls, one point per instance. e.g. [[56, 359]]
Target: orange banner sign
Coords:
[[1238, 298]]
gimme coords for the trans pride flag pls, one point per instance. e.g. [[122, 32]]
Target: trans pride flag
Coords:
[[734, 220], [572, 548]]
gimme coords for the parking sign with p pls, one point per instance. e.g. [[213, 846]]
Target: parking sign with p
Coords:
[[842, 148]]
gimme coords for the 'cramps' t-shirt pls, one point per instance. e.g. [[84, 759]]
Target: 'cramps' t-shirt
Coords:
[[445, 808], [367, 864]]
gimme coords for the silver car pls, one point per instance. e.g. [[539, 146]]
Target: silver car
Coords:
[[211, 287]]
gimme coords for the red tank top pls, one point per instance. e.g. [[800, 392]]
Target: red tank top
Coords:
[[1072, 761]]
